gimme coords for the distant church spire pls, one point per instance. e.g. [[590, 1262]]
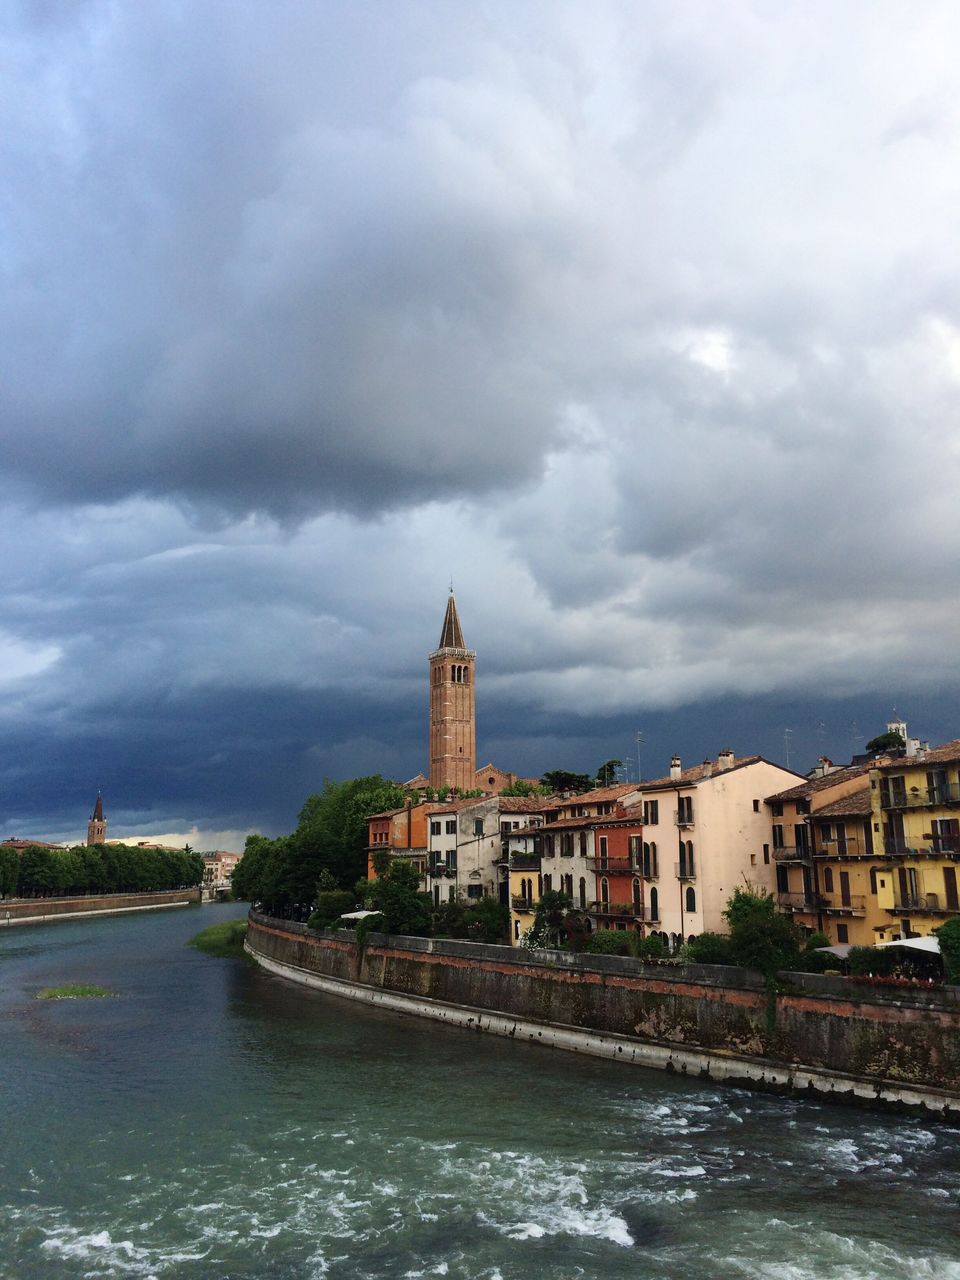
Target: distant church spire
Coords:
[[453, 734], [97, 826]]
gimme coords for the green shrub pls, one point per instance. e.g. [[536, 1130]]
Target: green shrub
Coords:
[[948, 935], [816, 940], [651, 948], [710, 948], [760, 937], [224, 939], [878, 961], [331, 904], [609, 942], [816, 962]]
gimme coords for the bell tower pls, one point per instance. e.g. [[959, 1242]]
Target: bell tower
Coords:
[[453, 731], [97, 826]]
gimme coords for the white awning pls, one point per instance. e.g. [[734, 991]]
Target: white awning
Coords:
[[358, 915], [930, 945]]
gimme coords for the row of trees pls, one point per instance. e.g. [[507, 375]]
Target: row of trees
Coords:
[[36, 872]]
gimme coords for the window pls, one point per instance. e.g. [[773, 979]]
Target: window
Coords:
[[451, 859], [604, 891], [452, 893], [504, 828], [636, 891], [842, 933], [654, 905], [691, 898], [756, 806], [685, 808], [828, 880], [651, 813], [451, 826], [778, 835], [777, 810], [478, 826], [603, 846], [547, 883], [583, 844], [766, 855], [474, 890], [636, 850], [583, 893], [548, 846], [435, 828], [566, 844]]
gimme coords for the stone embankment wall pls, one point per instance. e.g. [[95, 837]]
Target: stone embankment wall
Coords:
[[822, 1035], [46, 910]]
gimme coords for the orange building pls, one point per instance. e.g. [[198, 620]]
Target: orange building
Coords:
[[402, 833]]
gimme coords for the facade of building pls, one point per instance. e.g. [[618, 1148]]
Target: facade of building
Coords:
[[218, 869], [453, 733], [466, 845], [97, 826], [704, 830], [915, 821], [400, 832]]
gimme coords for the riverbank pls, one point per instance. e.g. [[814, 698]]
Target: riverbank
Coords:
[[14, 911], [893, 1050]]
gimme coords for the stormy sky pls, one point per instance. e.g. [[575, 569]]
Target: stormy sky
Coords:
[[642, 322]]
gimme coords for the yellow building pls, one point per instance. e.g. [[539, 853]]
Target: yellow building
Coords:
[[915, 819]]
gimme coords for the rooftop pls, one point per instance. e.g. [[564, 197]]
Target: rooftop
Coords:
[[855, 805], [949, 753], [811, 786]]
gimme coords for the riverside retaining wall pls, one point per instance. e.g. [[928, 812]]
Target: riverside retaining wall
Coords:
[[822, 1035], [47, 910]]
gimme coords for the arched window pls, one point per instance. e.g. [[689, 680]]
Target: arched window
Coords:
[[568, 885], [583, 892], [547, 883], [691, 898], [539, 886], [636, 891], [466, 675], [604, 890], [655, 905]]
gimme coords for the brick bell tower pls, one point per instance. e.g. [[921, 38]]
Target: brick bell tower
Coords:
[[97, 826], [453, 726]]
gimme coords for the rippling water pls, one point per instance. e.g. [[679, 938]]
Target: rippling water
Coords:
[[213, 1121]]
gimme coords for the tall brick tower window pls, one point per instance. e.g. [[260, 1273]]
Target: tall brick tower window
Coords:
[[453, 731]]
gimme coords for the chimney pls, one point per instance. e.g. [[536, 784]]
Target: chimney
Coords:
[[708, 768], [725, 760], [675, 769]]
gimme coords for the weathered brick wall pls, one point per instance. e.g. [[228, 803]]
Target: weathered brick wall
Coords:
[[818, 1022], [20, 907]]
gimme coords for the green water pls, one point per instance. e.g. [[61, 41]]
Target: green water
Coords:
[[213, 1121]]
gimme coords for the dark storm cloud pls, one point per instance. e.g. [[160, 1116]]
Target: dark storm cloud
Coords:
[[643, 324]]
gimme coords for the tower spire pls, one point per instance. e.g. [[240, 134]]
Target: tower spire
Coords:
[[97, 826], [453, 736]]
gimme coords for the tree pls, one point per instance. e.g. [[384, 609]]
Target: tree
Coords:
[[521, 788], [563, 780], [760, 937], [889, 741], [397, 896], [948, 935], [607, 773], [710, 948], [548, 917]]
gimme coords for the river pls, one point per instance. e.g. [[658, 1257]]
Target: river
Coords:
[[214, 1121]]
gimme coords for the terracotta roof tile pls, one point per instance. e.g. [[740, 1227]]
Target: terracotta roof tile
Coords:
[[948, 753], [855, 805], [811, 786]]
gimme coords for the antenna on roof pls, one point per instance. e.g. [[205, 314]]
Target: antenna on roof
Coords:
[[787, 733], [638, 737]]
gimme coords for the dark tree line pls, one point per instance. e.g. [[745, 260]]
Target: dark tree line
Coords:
[[330, 843], [35, 872]]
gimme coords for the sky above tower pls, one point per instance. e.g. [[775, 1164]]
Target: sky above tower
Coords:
[[642, 321]]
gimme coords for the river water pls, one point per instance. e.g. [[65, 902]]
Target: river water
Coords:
[[214, 1121]]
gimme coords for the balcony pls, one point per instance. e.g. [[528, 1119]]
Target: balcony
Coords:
[[621, 909], [851, 847], [525, 862], [681, 818], [615, 866], [522, 904], [791, 853], [945, 793], [922, 904], [802, 901], [684, 871], [855, 904]]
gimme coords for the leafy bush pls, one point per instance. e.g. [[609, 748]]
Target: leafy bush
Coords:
[[710, 948], [651, 948], [878, 961], [948, 935], [331, 904], [816, 940], [608, 942], [760, 937], [816, 962]]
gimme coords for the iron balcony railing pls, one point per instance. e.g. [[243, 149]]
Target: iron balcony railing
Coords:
[[521, 904], [632, 910], [920, 797], [791, 853], [684, 871], [854, 903], [618, 866], [928, 903], [850, 847], [802, 901]]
